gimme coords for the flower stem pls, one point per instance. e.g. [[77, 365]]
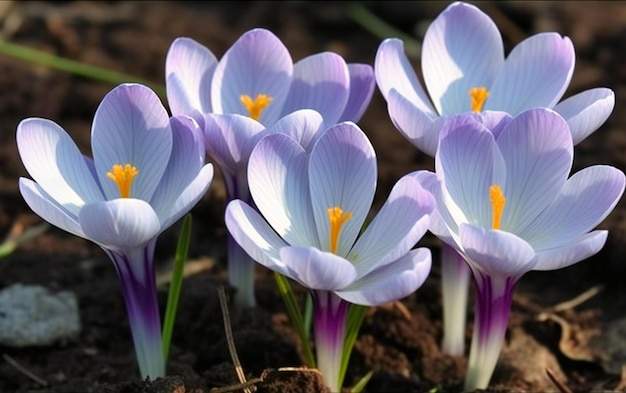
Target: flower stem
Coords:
[[455, 279], [492, 308], [241, 275], [330, 312], [136, 271]]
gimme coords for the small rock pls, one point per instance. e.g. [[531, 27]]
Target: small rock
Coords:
[[32, 316]]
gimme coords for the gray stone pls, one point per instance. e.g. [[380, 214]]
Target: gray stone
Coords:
[[30, 315]]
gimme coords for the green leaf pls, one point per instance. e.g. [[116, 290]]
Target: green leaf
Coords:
[[74, 67], [356, 313], [360, 385], [284, 287], [173, 294]]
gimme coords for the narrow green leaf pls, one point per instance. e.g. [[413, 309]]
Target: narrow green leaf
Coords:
[[284, 287], [356, 313], [173, 294], [379, 28], [74, 67], [360, 385]]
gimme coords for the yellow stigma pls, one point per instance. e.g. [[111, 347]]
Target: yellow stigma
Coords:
[[497, 205], [478, 95], [256, 107], [337, 218], [123, 176]]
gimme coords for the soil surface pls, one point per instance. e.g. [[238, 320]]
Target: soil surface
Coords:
[[399, 342]]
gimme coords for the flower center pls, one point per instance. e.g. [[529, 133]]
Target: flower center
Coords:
[[256, 107], [123, 176], [478, 96], [337, 218], [497, 205]]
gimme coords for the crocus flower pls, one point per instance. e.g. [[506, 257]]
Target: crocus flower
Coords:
[[257, 79], [147, 171], [464, 69], [505, 203], [312, 208], [229, 140]]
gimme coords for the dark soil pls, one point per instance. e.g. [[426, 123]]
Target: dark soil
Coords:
[[400, 344]]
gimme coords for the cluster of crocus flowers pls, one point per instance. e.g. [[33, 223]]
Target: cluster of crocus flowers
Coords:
[[148, 170], [312, 206], [506, 203], [465, 71], [252, 87]]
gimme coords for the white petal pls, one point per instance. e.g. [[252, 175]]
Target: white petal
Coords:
[[120, 224], [391, 282], [254, 235], [320, 82], [318, 270], [257, 63], [47, 208], [342, 173], [584, 201], [416, 126], [577, 250], [229, 140], [56, 164], [304, 125], [462, 49], [535, 74], [278, 180], [398, 226], [496, 253], [537, 148], [362, 85], [394, 72], [585, 112], [189, 68], [469, 162], [190, 196], [131, 126]]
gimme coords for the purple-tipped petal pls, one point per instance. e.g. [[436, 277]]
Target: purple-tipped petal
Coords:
[[585, 112], [120, 224], [535, 74], [416, 126], [362, 84], [320, 82], [257, 63], [462, 50], [393, 71], [56, 164], [318, 270], [189, 68], [342, 173], [391, 282], [131, 126]]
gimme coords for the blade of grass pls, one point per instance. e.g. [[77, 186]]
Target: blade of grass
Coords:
[[284, 287], [67, 65], [356, 313], [379, 28], [173, 294]]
